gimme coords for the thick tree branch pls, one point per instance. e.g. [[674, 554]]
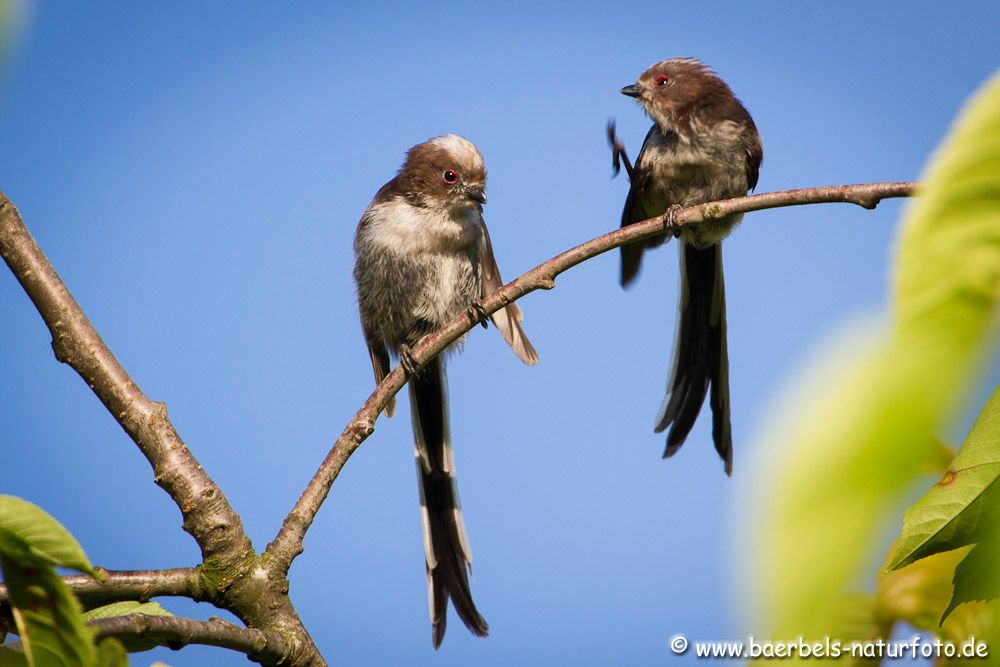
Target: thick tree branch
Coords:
[[176, 632], [208, 517], [288, 542], [139, 585], [228, 559]]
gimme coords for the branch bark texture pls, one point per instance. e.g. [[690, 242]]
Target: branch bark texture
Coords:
[[176, 632], [139, 585]]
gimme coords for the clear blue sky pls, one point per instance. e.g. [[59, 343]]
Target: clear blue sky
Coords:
[[196, 174]]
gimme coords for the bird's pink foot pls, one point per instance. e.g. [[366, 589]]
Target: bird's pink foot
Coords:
[[407, 361]]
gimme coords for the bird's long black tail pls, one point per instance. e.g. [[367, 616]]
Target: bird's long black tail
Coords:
[[701, 358], [446, 545]]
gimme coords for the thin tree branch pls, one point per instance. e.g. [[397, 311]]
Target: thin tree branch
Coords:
[[287, 543], [208, 517], [176, 632], [140, 585]]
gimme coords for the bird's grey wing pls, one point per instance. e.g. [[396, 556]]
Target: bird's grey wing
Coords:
[[373, 337], [634, 211], [508, 319], [755, 155], [380, 364]]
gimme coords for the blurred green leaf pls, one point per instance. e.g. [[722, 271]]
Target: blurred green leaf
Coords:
[[853, 622], [11, 655], [30, 536], [920, 594], [917, 594], [12, 24], [947, 277], [124, 608], [842, 450], [111, 653], [852, 435], [49, 619]]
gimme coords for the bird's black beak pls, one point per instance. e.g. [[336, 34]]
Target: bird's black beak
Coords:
[[476, 194], [632, 91]]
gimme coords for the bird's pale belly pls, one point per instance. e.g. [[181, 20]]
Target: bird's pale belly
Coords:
[[689, 187], [451, 283]]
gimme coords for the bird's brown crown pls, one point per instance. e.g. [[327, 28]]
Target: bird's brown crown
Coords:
[[447, 171], [674, 91]]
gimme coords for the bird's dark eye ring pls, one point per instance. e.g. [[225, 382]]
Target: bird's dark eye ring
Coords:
[[450, 175], [662, 80]]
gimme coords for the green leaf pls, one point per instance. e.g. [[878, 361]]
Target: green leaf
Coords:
[[845, 445], [957, 511], [134, 645], [11, 655], [30, 536], [49, 619], [124, 608], [976, 577], [947, 276], [111, 653]]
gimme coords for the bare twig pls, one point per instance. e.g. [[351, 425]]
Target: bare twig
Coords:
[[139, 585], [287, 543], [176, 632]]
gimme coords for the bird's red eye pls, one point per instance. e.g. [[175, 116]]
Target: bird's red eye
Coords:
[[661, 80], [450, 176]]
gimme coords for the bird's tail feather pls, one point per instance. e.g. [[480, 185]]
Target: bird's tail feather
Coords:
[[701, 357], [446, 544]]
